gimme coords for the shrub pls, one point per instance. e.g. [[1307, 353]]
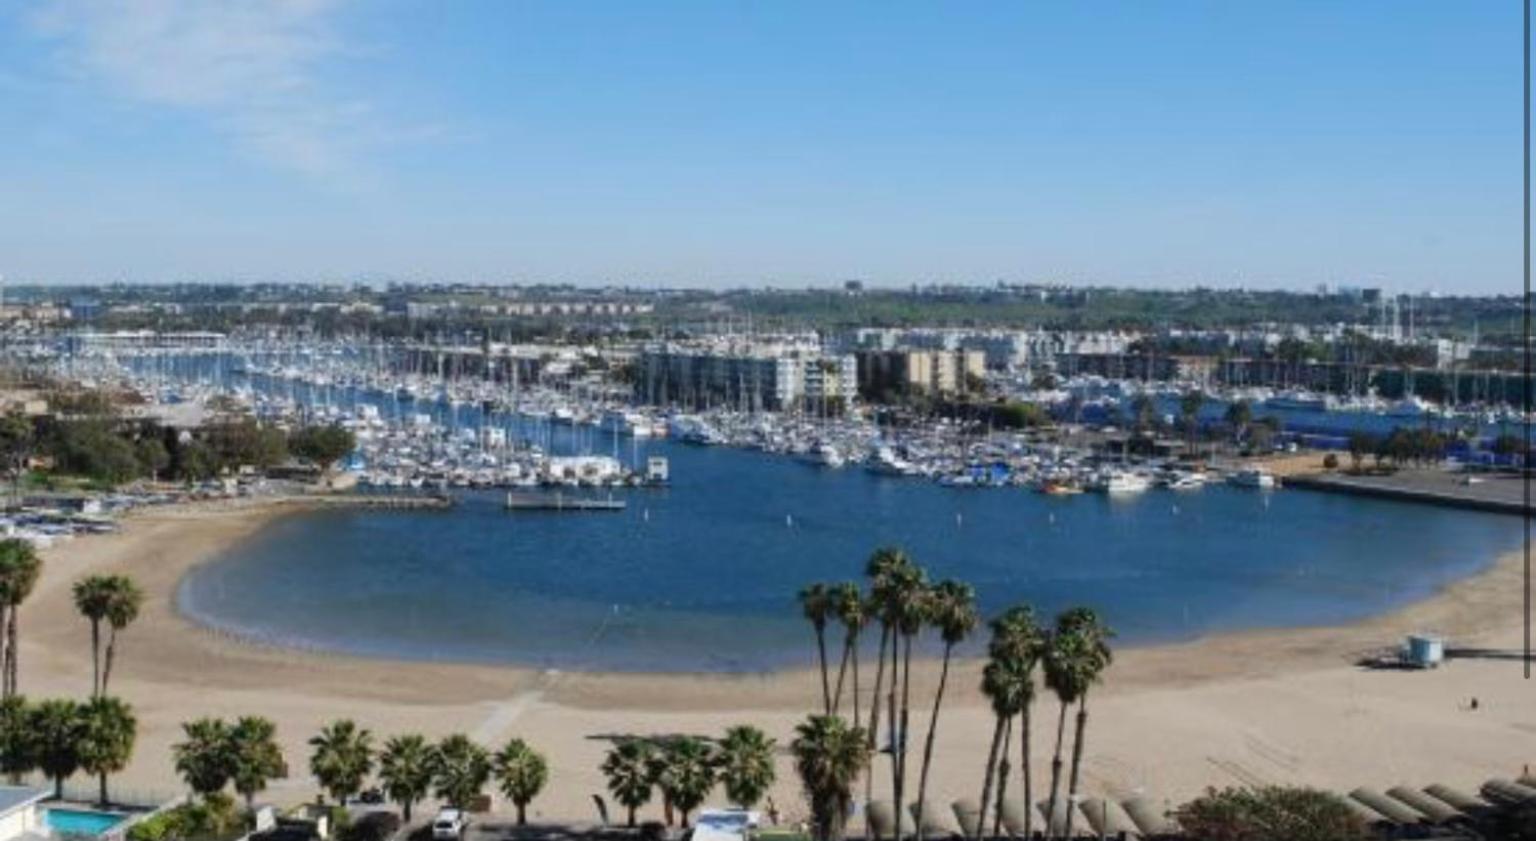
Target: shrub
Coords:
[[1270, 813], [1330, 462], [373, 826]]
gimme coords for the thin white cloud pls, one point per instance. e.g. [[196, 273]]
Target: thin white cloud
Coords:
[[252, 66]]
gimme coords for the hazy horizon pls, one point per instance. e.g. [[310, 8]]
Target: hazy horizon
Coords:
[[1110, 143]]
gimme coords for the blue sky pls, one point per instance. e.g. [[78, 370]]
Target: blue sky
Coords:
[[1174, 142]]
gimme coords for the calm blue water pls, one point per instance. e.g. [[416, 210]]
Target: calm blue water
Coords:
[[81, 822], [702, 576]]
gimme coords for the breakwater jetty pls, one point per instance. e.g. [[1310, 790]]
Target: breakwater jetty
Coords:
[[1502, 493]]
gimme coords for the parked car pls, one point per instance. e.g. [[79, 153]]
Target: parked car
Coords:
[[448, 825]]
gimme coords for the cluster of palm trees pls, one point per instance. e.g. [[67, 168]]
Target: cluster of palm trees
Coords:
[[685, 769], [216, 754], [115, 600], [61, 736], [832, 753]]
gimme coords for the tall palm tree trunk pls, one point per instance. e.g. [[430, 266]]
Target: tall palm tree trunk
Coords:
[[933, 728], [905, 728], [842, 671], [891, 726], [1077, 753], [11, 670], [874, 725], [1061, 729], [986, 780], [826, 686], [106, 665], [5, 652], [103, 781], [1003, 767], [1029, 787], [855, 698], [95, 657]]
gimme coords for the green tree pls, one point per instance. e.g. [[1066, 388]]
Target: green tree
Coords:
[[18, 745], [18, 442], [323, 446], [627, 768], [205, 757], [908, 600], [1004, 686], [1271, 813], [58, 728], [851, 610], [522, 772], [460, 770], [816, 606], [746, 765], [19, 571], [108, 731], [342, 758], [686, 773], [884, 567], [92, 596], [1190, 405], [1076, 660], [951, 609], [1238, 416], [257, 758], [405, 769], [122, 609], [153, 457], [829, 756]]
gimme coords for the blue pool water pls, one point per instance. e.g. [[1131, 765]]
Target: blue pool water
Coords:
[[81, 821], [702, 576]]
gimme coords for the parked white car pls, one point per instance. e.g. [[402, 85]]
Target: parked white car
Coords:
[[448, 825]]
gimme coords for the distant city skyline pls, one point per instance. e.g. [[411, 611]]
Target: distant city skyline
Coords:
[[1114, 143]]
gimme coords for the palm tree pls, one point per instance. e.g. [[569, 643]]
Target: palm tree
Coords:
[[952, 609], [1018, 639], [205, 759], [460, 770], [106, 743], [746, 765], [92, 596], [1189, 412], [1238, 416], [58, 727], [829, 756], [18, 745], [686, 774], [883, 566], [628, 769], [19, 570], [405, 769], [1089, 655], [1001, 683], [523, 772], [342, 759], [909, 605], [816, 606], [851, 610], [257, 758], [123, 608]]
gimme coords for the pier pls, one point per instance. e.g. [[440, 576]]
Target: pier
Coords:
[[560, 502], [1501, 493]]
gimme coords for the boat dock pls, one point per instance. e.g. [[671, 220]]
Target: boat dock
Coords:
[[1501, 493], [560, 502]]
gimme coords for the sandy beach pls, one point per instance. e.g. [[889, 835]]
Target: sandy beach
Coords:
[[1282, 706]]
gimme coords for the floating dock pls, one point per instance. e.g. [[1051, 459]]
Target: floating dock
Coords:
[[560, 502]]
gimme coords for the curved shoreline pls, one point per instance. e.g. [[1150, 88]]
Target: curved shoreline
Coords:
[[1171, 719], [1290, 647]]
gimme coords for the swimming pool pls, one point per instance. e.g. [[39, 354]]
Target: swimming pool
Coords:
[[81, 821]]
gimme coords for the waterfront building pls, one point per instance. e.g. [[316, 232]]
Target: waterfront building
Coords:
[[919, 371], [749, 378]]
